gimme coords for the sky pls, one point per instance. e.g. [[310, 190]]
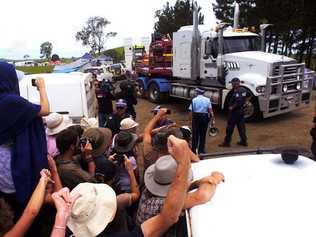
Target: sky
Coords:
[[25, 24]]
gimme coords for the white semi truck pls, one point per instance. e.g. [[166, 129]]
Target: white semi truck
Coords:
[[211, 58]]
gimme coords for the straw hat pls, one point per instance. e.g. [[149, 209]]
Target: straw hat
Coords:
[[56, 123], [93, 210], [159, 176], [127, 124], [89, 122]]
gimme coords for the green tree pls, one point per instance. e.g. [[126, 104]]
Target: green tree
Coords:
[[92, 34], [171, 18], [46, 49]]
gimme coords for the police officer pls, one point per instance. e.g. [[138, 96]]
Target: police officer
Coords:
[[236, 114], [200, 113]]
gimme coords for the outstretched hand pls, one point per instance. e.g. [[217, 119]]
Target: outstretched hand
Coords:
[[64, 202]]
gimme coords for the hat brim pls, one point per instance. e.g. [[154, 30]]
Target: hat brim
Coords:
[[104, 213], [155, 188], [107, 141], [134, 126], [127, 148], [61, 127]]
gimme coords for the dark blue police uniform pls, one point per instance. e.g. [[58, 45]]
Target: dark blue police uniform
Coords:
[[236, 116], [200, 118]]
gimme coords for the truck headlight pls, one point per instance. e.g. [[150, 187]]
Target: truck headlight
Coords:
[[261, 89], [284, 88], [305, 84], [298, 86]]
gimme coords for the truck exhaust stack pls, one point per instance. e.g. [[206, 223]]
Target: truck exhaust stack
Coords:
[[195, 46], [236, 15]]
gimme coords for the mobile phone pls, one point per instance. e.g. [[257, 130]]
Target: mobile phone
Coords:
[[168, 111], [34, 82]]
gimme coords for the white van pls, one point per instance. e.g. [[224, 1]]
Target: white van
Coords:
[[71, 93], [262, 196]]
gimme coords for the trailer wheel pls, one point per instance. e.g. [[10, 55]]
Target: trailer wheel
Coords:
[[155, 95], [141, 89]]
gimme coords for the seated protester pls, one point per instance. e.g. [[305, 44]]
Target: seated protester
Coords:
[[158, 178], [114, 120], [89, 208], [155, 146], [32, 209], [68, 165], [164, 121], [124, 144], [55, 124]]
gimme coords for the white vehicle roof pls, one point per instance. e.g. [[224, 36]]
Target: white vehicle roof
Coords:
[[261, 196], [209, 31]]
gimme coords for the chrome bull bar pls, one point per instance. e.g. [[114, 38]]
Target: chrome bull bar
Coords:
[[287, 92]]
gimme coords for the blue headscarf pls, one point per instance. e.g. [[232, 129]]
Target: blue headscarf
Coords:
[[20, 124]]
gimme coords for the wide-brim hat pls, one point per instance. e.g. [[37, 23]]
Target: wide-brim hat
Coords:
[[124, 141], [89, 122], [93, 210], [159, 140], [159, 176], [128, 123], [100, 139], [56, 123]]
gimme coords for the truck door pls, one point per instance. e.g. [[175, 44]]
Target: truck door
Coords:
[[209, 58], [182, 54]]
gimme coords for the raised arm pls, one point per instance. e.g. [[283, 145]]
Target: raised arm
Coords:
[[127, 199], [149, 128], [45, 110], [32, 209], [55, 177], [176, 196]]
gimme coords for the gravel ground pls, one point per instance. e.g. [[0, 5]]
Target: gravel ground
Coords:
[[283, 130]]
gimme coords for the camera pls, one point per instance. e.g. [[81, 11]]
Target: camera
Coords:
[[168, 111], [34, 82], [119, 158], [83, 141]]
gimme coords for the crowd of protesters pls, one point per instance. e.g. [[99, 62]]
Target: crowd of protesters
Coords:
[[97, 178]]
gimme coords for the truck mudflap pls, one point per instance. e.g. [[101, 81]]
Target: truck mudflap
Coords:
[[289, 90]]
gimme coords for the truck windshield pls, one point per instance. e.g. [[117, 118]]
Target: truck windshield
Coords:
[[241, 44]]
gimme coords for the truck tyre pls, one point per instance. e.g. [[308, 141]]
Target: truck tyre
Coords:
[[251, 110], [155, 95], [141, 89]]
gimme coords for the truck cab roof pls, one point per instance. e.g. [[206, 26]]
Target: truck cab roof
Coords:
[[207, 31], [261, 196]]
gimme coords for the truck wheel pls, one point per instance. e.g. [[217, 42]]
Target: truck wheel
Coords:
[[251, 109], [155, 95], [141, 90]]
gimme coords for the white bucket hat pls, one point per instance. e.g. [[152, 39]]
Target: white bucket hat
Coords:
[[89, 122], [159, 176], [56, 123], [128, 123], [93, 210]]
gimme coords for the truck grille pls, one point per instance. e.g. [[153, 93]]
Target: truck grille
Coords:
[[290, 71]]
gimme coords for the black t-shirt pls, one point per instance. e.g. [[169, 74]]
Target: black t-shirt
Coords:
[[238, 99], [104, 101], [114, 122], [136, 232]]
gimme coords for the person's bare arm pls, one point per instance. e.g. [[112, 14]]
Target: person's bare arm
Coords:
[[175, 199], [149, 128], [89, 158], [127, 199], [45, 110], [205, 189], [63, 202], [55, 177], [32, 209]]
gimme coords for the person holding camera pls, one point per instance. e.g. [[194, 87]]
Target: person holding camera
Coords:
[[128, 93], [22, 136], [164, 121], [103, 92], [201, 113]]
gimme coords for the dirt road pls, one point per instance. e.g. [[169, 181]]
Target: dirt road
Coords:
[[288, 129]]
